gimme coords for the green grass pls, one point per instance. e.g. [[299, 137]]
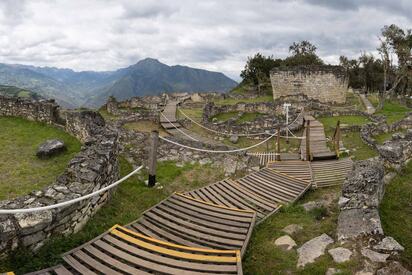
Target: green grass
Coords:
[[330, 122], [222, 117], [393, 111], [351, 140], [374, 99], [263, 257], [194, 113], [291, 147], [247, 117], [354, 100], [381, 138], [106, 115], [396, 212], [232, 101], [131, 198], [20, 170]]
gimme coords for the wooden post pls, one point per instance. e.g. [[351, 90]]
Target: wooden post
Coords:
[[154, 141], [308, 140], [337, 138], [278, 144]]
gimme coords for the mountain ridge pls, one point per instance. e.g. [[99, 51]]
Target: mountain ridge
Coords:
[[88, 88]]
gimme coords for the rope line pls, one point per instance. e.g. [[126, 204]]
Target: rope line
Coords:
[[69, 202], [217, 132], [216, 151], [189, 136], [228, 134]]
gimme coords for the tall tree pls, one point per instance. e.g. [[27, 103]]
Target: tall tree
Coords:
[[400, 42], [303, 53]]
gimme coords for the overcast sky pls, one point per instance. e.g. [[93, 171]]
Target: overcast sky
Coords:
[[216, 35]]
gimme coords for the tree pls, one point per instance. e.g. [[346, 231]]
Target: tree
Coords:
[[257, 69], [303, 53], [400, 43]]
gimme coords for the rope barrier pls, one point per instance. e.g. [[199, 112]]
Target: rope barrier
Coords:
[[217, 132], [228, 134], [192, 138], [216, 151], [69, 202]]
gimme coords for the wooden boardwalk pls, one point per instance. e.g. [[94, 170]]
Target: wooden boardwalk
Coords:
[[318, 146], [320, 173], [204, 231]]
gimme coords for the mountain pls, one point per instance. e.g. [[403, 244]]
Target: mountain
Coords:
[[91, 89]]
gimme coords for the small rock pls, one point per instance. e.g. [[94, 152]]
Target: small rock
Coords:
[[389, 244], [364, 272], [313, 249], [50, 148], [389, 177], [374, 256], [392, 269], [332, 271], [342, 201], [292, 229], [234, 139], [285, 242], [205, 161], [340, 254]]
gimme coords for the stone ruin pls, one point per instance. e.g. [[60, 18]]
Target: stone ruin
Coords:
[[94, 167], [324, 83]]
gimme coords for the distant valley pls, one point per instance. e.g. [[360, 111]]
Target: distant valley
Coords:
[[91, 89]]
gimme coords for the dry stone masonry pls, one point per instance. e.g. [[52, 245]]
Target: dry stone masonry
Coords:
[[94, 167], [324, 83], [42, 110]]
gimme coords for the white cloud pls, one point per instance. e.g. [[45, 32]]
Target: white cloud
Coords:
[[210, 34]]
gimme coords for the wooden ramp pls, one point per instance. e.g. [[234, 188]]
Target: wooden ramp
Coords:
[[318, 146], [295, 168], [231, 194], [274, 186], [266, 157], [123, 251], [330, 172], [188, 221]]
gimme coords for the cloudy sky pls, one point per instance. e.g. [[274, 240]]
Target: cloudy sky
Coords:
[[209, 34]]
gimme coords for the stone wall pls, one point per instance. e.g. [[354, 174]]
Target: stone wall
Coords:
[[141, 108], [94, 167], [324, 83], [42, 110]]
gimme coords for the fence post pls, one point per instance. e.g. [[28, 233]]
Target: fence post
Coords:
[[154, 141], [308, 140], [278, 145], [337, 138]]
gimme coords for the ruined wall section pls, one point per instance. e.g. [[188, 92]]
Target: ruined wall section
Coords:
[[323, 83]]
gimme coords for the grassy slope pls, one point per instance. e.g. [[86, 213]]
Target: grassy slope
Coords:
[[132, 197], [396, 212], [393, 111], [20, 170]]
